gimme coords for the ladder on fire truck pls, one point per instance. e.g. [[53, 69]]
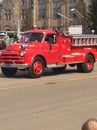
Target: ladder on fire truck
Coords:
[[84, 40]]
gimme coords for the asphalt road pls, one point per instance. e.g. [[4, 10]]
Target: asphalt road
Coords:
[[53, 102]]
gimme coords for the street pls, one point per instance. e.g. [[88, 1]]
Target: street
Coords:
[[53, 102]]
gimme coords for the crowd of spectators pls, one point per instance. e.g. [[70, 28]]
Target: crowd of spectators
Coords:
[[6, 39]]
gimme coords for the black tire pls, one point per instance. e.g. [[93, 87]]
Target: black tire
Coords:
[[86, 66], [37, 68], [59, 69], [9, 72], [79, 67]]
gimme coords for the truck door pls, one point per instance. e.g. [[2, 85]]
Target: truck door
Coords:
[[66, 46], [51, 48]]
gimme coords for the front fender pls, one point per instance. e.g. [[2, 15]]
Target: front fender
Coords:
[[90, 52], [29, 58]]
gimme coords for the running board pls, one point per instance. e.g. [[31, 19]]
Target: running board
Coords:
[[55, 65]]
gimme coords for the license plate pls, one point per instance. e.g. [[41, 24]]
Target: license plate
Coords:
[[7, 65]]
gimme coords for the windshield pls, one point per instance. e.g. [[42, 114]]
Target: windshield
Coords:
[[32, 37]]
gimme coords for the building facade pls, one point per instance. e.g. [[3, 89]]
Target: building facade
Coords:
[[44, 14]]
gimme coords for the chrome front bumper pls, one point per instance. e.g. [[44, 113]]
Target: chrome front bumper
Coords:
[[18, 66]]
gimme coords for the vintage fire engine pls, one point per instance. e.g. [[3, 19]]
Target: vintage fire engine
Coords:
[[40, 49]]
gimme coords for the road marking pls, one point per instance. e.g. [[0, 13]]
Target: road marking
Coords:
[[54, 81], [83, 78]]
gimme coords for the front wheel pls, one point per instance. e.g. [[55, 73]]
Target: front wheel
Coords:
[[37, 68], [9, 72], [87, 66]]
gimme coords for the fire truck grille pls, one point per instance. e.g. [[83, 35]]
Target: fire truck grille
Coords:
[[11, 58]]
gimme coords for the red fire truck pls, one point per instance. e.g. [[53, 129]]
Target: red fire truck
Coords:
[[40, 49]]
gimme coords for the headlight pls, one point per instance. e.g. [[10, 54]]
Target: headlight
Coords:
[[24, 46], [0, 53], [22, 53]]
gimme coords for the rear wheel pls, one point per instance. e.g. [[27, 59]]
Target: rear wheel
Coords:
[[37, 68], [9, 72], [87, 66]]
